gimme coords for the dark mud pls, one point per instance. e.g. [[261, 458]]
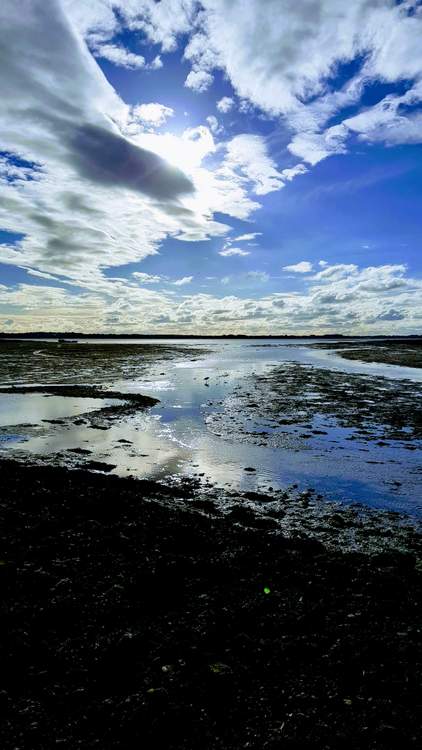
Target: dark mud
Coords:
[[405, 353], [83, 391], [127, 622], [53, 362], [293, 403]]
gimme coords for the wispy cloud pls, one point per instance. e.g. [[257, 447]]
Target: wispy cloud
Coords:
[[247, 237], [183, 281], [146, 278], [230, 251]]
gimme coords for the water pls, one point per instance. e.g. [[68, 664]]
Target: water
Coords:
[[173, 438], [18, 409]]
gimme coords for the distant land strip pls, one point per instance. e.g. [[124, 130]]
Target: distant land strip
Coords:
[[77, 335]]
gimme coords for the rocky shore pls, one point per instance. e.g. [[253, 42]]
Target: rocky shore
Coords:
[[127, 621]]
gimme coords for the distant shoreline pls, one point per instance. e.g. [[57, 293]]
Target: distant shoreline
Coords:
[[146, 336]]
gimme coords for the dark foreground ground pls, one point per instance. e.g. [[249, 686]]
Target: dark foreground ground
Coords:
[[126, 624]]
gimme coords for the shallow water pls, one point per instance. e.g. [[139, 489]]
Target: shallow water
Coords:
[[26, 408], [174, 439]]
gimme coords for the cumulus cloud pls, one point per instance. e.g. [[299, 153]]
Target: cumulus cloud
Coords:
[[100, 20], [225, 104], [286, 68], [291, 172], [198, 80], [152, 114], [303, 267], [350, 299]]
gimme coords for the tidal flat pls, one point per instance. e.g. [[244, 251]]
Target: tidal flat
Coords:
[[407, 352], [129, 617], [209, 544]]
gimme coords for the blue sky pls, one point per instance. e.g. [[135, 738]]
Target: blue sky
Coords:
[[211, 167]]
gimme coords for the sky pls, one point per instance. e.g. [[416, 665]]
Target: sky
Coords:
[[214, 167]]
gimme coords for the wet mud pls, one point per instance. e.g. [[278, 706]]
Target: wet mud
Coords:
[[23, 362], [406, 353], [293, 403], [134, 613]]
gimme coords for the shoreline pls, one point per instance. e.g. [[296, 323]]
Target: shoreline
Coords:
[[127, 619]]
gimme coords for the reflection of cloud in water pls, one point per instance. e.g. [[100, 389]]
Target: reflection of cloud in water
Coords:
[[34, 407], [173, 437]]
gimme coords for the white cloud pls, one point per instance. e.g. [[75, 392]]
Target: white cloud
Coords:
[[233, 251], [248, 154], [160, 22], [198, 80], [288, 68], [292, 172], [303, 267], [80, 192], [97, 199], [313, 147], [336, 271], [182, 282], [247, 237], [213, 124], [387, 126], [156, 63], [40, 274], [120, 56], [146, 278], [152, 114], [89, 191], [284, 68], [349, 299], [225, 104]]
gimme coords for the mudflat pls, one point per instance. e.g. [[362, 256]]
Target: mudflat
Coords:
[[126, 620], [407, 353]]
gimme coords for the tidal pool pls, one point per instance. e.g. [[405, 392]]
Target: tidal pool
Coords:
[[28, 408]]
